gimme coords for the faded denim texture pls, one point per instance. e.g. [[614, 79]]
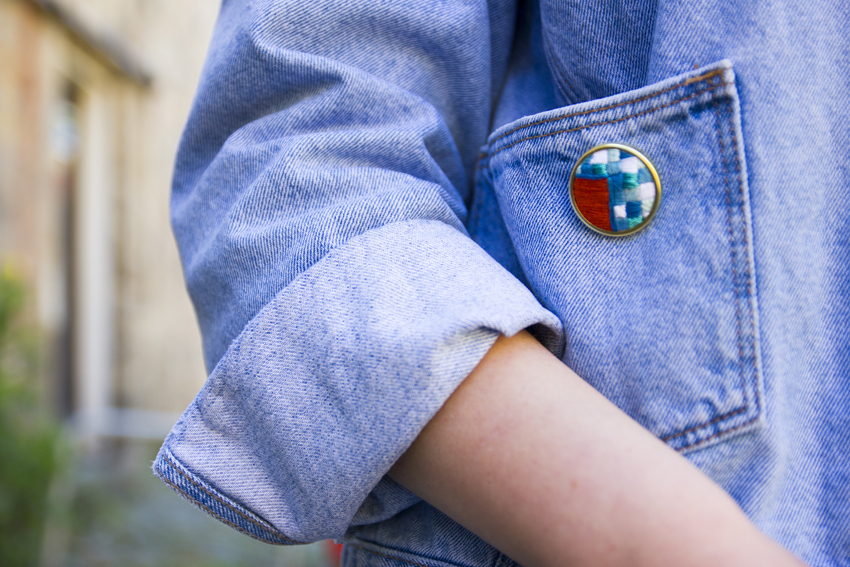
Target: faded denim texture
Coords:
[[368, 193]]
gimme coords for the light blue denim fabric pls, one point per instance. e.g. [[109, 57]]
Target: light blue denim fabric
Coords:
[[368, 193]]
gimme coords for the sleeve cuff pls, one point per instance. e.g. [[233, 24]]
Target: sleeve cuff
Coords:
[[331, 382]]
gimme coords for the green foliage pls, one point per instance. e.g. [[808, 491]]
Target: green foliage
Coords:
[[27, 435]]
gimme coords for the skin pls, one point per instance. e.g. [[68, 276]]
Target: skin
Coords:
[[534, 461]]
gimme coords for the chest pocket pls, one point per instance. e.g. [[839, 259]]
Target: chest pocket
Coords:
[[663, 322]]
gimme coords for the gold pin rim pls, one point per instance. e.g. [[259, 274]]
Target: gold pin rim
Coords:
[[649, 165]]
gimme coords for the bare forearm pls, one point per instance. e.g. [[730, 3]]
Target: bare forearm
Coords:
[[532, 459]]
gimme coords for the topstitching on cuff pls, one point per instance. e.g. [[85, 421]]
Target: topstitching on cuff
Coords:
[[330, 383]]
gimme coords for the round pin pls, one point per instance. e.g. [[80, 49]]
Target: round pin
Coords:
[[615, 189]]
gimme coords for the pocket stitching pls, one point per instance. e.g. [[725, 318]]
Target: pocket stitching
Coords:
[[740, 176], [735, 275], [690, 81], [614, 121], [735, 280]]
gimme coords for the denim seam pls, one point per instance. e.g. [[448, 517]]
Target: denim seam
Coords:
[[614, 121], [218, 499], [215, 496], [719, 433], [750, 286], [556, 72], [567, 90], [692, 80], [693, 428], [214, 514], [475, 213], [735, 280]]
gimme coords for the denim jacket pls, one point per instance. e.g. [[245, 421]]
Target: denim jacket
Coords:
[[367, 193]]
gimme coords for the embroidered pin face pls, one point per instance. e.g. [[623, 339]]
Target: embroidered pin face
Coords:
[[615, 189]]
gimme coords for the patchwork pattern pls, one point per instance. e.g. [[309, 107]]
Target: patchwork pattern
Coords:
[[614, 190]]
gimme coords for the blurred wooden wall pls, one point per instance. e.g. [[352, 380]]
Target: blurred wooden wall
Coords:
[[93, 97]]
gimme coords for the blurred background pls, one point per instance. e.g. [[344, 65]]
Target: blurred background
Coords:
[[99, 350]]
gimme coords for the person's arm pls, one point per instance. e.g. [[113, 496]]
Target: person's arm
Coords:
[[532, 459]]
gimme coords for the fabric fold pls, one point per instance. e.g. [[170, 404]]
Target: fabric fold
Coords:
[[334, 378]]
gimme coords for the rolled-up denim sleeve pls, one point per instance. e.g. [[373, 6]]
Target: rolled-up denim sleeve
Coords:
[[319, 205]]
